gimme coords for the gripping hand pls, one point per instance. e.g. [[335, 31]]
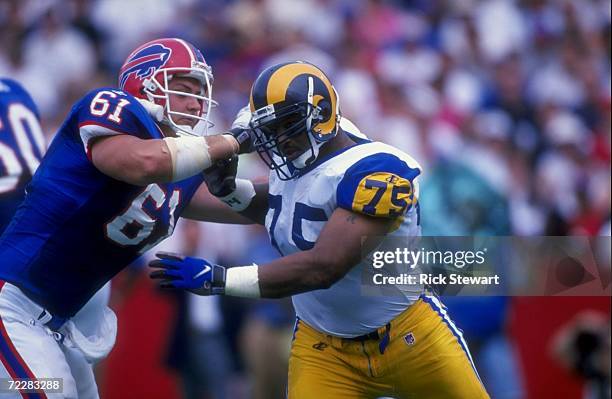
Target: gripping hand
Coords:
[[193, 274], [242, 132], [221, 177]]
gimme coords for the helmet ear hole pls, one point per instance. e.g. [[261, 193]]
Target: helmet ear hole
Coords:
[[325, 110]]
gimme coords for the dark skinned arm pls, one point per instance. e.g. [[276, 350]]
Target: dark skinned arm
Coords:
[[337, 250]]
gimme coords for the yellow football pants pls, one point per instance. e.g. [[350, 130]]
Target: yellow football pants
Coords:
[[426, 357]]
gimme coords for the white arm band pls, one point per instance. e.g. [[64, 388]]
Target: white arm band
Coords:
[[241, 197], [189, 156], [243, 281]]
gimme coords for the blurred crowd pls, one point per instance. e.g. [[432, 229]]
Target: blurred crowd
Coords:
[[505, 103], [515, 91]]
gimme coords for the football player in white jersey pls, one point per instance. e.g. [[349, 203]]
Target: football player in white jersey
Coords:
[[329, 187]]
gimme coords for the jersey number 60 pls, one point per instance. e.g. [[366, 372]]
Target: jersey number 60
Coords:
[[21, 120]]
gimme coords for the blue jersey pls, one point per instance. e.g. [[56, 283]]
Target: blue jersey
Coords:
[[21, 146], [78, 227]]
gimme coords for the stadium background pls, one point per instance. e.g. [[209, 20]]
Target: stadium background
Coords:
[[506, 104]]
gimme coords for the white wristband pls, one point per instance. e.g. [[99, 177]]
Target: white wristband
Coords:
[[241, 197], [243, 281], [189, 156]]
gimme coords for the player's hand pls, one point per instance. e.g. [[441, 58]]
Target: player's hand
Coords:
[[196, 275], [242, 119], [242, 132], [221, 177]]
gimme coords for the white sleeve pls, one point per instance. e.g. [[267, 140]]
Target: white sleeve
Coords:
[[90, 131]]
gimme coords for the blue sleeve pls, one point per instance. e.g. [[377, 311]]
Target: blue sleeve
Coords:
[[109, 112], [380, 185]]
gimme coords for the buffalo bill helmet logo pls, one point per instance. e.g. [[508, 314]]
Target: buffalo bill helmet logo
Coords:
[[145, 62]]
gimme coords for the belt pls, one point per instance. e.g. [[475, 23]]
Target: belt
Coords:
[[34, 310], [374, 335], [53, 322], [370, 336], [365, 337]]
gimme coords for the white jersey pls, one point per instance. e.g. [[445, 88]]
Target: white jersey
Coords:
[[371, 178]]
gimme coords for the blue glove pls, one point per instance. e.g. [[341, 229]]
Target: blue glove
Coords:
[[196, 275]]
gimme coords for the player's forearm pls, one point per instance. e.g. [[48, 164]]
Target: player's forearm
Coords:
[[290, 275], [257, 209], [142, 162], [163, 161], [338, 249], [131, 160], [150, 164], [207, 208], [221, 146], [219, 213], [300, 272]]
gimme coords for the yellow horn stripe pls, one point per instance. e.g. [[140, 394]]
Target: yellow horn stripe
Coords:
[[326, 127], [251, 103], [281, 78]]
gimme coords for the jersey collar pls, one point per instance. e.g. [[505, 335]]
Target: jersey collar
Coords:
[[326, 158]]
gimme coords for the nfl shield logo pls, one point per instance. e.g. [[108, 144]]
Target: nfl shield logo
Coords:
[[409, 339]]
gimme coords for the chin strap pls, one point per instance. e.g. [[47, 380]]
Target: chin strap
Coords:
[[310, 155]]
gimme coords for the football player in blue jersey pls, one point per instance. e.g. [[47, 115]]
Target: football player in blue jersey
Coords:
[[125, 164], [22, 146], [328, 188]]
